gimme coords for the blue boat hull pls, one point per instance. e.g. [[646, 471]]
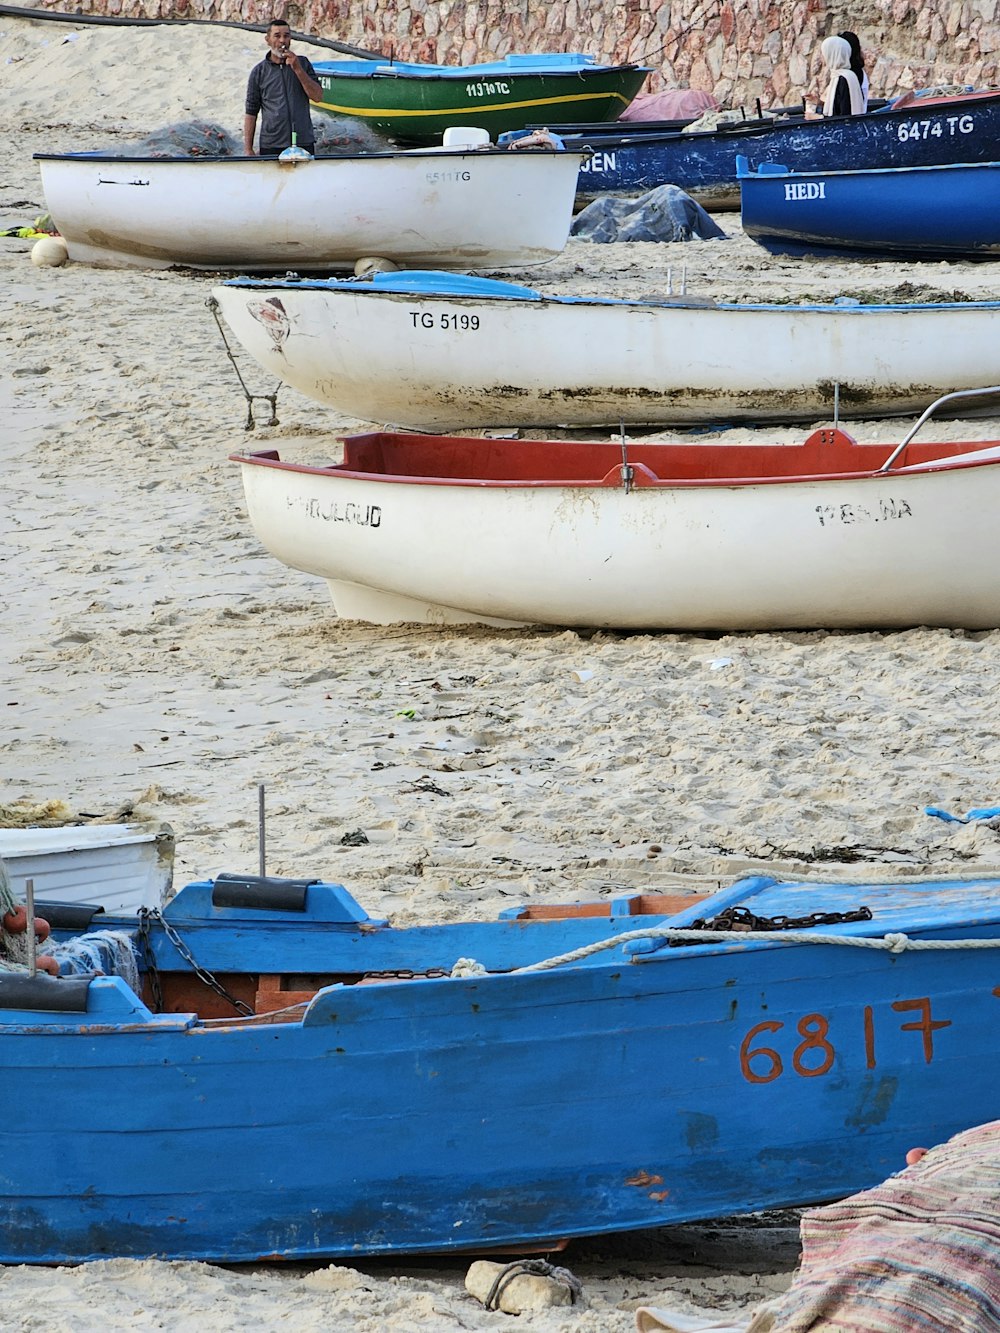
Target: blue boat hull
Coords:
[[941, 212], [704, 163], [634, 1088]]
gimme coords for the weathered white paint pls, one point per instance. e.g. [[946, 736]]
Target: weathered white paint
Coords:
[[918, 546], [455, 208], [120, 867], [444, 363]]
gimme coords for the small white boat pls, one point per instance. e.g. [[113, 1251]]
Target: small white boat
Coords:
[[120, 867], [443, 352], [639, 535], [457, 207]]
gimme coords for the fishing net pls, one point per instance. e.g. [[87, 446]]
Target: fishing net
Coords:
[[100, 952], [663, 214], [8, 900], [336, 136], [36, 814], [342, 136], [715, 120], [110, 953], [13, 944], [188, 138]]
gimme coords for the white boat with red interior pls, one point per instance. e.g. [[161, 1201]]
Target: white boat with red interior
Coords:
[[634, 534]]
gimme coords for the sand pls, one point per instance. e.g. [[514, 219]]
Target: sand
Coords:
[[157, 661]]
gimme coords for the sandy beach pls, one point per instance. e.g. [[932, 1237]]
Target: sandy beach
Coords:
[[157, 662]]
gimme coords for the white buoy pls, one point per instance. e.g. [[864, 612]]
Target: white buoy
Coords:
[[373, 264], [49, 252]]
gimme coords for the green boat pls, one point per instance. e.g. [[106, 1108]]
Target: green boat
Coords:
[[415, 104]]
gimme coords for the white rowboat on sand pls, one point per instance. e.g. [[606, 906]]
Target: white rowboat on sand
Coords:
[[639, 535], [451, 207], [444, 352]]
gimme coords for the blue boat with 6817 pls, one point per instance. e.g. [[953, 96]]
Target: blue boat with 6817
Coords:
[[264, 1071]]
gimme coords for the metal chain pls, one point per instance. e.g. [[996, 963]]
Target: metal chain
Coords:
[[203, 975], [408, 974], [742, 919], [271, 398], [149, 958]]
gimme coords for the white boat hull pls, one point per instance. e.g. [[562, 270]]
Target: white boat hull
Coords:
[[448, 362], [906, 548], [120, 867], [446, 209]]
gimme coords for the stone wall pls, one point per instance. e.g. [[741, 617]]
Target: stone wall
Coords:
[[766, 49]]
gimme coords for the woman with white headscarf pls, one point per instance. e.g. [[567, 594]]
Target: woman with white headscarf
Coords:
[[843, 95]]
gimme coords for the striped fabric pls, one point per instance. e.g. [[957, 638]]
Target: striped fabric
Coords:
[[918, 1254]]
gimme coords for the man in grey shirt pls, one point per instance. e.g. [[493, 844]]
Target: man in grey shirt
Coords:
[[279, 90]]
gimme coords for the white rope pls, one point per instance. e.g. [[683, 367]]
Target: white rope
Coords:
[[895, 942], [468, 967]]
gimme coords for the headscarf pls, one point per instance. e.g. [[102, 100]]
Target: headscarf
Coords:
[[857, 64], [837, 58], [857, 59]]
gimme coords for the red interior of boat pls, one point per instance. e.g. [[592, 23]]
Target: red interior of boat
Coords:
[[827, 452]]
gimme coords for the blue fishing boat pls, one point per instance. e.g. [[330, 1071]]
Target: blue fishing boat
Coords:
[[265, 1071], [929, 132], [942, 212]]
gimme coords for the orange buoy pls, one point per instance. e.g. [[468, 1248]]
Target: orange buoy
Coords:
[[42, 928], [46, 963], [15, 921]]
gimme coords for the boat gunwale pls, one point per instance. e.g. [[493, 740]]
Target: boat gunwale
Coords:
[[741, 130], [644, 478], [636, 948], [472, 74], [530, 298], [769, 171], [381, 155]]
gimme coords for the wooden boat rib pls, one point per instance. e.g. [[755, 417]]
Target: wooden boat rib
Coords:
[[431, 1110], [641, 535], [454, 207], [949, 211], [440, 352]]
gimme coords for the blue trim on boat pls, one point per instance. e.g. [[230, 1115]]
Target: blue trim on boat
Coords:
[[419, 282], [428, 284], [554, 63]]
